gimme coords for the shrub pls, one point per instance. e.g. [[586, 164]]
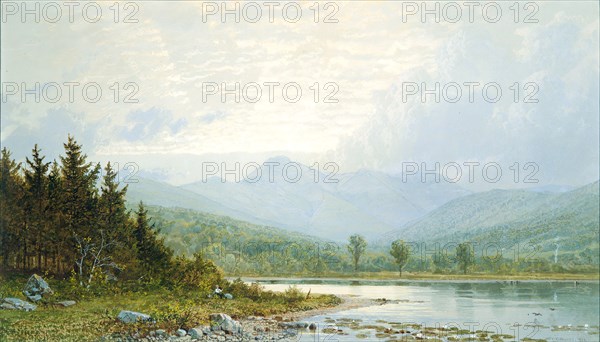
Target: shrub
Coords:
[[293, 295]]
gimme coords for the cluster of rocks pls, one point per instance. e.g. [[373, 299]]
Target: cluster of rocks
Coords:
[[35, 290], [223, 328]]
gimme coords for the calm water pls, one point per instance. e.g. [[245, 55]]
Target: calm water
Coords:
[[564, 311]]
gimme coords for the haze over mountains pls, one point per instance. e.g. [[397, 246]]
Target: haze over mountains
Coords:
[[365, 202], [383, 207]]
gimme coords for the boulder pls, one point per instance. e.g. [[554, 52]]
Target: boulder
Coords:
[[196, 333], [17, 304], [181, 332], [228, 296], [294, 325], [312, 326], [37, 288], [133, 317], [66, 303], [221, 321]]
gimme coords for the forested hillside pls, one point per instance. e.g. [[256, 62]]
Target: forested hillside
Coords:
[[524, 224], [68, 218]]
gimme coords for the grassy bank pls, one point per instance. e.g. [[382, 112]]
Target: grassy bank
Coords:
[[96, 310]]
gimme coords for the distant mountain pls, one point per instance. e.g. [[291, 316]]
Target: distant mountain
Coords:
[[569, 220], [365, 202]]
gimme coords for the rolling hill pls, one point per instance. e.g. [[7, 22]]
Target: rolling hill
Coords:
[[365, 202], [552, 222]]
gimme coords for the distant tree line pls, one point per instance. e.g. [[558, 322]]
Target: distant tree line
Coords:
[[65, 218]]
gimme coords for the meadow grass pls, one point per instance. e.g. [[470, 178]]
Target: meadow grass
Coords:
[[94, 315]]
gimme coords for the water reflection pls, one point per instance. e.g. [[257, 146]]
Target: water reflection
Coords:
[[551, 310]]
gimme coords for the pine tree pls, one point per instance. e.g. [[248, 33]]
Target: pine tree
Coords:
[[154, 256], [10, 196], [36, 195], [79, 202], [114, 219], [58, 236]]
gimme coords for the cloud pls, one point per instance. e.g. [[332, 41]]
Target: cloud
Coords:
[[559, 133]]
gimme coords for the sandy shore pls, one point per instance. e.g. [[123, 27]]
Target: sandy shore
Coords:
[[349, 302]]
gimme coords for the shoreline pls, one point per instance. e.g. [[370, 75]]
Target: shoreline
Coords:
[[349, 302], [331, 280]]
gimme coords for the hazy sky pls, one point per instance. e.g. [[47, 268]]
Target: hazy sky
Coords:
[[371, 58]]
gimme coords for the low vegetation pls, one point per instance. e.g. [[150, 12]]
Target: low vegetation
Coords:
[[94, 315]]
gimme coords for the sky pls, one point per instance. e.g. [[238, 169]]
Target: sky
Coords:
[[369, 60]]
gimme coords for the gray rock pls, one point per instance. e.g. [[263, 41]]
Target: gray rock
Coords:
[[66, 303], [133, 317], [221, 321], [181, 332], [17, 304], [196, 333], [7, 306], [294, 325], [35, 298], [161, 332], [37, 288], [228, 296]]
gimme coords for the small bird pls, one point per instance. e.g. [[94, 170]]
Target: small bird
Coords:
[[552, 309]]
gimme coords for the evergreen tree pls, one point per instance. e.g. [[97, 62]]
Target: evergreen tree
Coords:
[[114, 219], [58, 236], [36, 196], [10, 196], [79, 202], [153, 255]]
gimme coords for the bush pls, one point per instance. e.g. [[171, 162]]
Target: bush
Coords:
[[197, 274], [293, 295]]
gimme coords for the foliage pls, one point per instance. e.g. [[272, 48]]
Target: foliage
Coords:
[[400, 251], [465, 256], [356, 247], [58, 219]]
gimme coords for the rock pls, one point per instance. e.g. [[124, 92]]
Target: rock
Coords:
[[231, 326], [37, 288], [17, 304], [66, 303], [278, 318], [196, 333], [294, 325], [290, 332], [226, 323], [133, 317], [7, 306], [181, 332], [228, 296], [312, 326], [35, 298], [161, 332]]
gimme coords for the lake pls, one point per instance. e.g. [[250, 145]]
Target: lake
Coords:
[[550, 310]]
